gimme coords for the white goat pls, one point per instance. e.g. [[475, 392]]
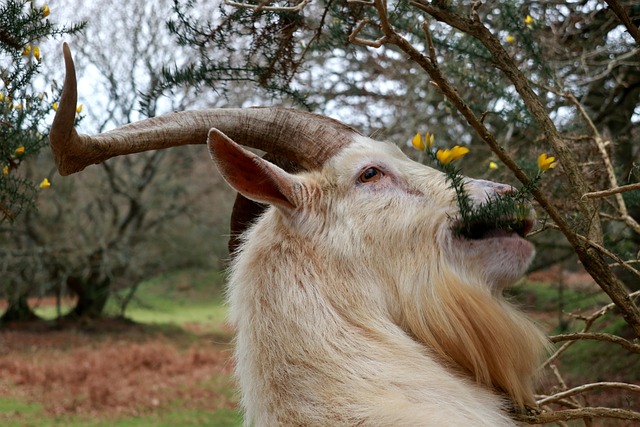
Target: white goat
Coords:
[[353, 300]]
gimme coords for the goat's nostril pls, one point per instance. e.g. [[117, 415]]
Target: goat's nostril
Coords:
[[505, 189]]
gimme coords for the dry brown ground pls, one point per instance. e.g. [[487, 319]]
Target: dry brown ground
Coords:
[[114, 369]]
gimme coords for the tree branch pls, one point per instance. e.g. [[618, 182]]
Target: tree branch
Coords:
[[588, 387], [628, 345], [575, 414], [611, 191], [263, 6], [624, 18]]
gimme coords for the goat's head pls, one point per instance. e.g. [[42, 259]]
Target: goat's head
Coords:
[[362, 207], [372, 212]]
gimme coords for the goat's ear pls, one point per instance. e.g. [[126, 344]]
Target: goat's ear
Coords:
[[251, 176]]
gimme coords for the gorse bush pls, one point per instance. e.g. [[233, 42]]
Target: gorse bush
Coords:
[[23, 109]]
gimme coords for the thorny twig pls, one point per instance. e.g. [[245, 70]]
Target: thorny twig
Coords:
[[353, 37], [574, 402], [430, 46]]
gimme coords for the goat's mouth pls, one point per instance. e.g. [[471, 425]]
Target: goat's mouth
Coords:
[[481, 229]]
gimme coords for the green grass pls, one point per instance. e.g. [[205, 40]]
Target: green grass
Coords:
[[16, 413], [16, 408], [177, 298], [50, 313], [180, 298]]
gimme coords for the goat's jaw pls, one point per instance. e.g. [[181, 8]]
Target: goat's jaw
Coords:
[[499, 254], [500, 257]]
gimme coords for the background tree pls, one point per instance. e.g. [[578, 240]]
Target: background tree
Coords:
[[23, 108], [131, 218]]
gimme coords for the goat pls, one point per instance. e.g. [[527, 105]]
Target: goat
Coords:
[[354, 302]]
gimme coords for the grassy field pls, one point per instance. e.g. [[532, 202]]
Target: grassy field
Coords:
[[169, 362]]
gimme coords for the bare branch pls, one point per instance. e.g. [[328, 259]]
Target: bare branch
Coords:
[[353, 37], [363, 2], [611, 191], [263, 6], [588, 323], [634, 348], [615, 257], [432, 49], [574, 404]]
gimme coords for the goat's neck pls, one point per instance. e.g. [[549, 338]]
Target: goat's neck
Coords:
[[312, 331]]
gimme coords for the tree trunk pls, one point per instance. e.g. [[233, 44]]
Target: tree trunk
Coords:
[[92, 292], [18, 310]]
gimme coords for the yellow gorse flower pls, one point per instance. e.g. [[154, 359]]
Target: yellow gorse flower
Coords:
[[545, 163], [54, 106], [422, 144], [511, 39], [447, 156], [28, 50], [493, 165], [5, 170], [79, 108], [45, 11], [529, 21], [19, 150], [45, 183]]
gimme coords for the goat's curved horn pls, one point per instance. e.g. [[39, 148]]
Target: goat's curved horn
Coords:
[[304, 138], [297, 139]]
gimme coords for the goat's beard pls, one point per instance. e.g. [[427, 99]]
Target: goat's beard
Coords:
[[477, 334]]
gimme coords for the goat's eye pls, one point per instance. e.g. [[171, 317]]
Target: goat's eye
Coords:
[[370, 175]]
